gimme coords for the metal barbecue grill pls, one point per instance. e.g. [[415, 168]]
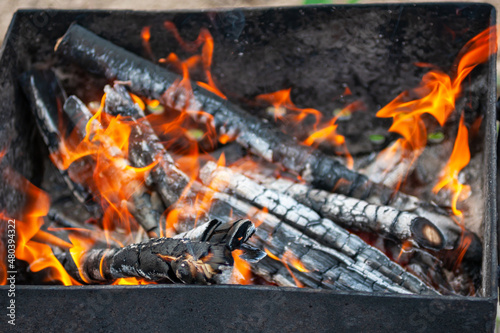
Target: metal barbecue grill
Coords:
[[312, 48]]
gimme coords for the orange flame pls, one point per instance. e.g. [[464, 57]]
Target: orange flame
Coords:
[[281, 102], [205, 40], [146, 36], [460, 157], [114, 179], [39, 256], [80, 246], [242, 273], [287, 259], [329, 133], [436, 96]]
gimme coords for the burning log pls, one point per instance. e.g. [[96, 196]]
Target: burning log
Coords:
[[139, 200], [163, 259], [355, 266], [145, 147], [46, 98], [346, 210], [360, 215]]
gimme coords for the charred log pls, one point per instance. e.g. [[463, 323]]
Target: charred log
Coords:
[[46, 97], [145, 147], [193, 258], [357, 214], [159, 259]]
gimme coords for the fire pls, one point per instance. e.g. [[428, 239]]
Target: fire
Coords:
[[114, 179], [27, 228], [435, 96], [322, 131], [242, 273], [460, 157], [287, 259], [405, 247], [206, 42], [281, 101], [146, 36], [80, 245], [329, 133]]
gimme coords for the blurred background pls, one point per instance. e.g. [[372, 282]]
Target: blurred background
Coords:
[[8, 7]]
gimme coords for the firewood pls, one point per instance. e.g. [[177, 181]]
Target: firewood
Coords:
[[46, 97], [161, 259], [357, 214], [139, 203], [145, 146], [354, 266], [103, 57], [322, 171]]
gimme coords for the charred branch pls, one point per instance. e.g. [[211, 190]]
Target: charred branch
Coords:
[[181, 260], [145, 146], [46, 98]]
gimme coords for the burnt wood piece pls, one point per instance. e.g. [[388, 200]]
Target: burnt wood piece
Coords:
[[46, 98], [100, 56], [145, 146], [352, 268], [158, 259], [233, 234], [357, 214], [183, 260], [139, 202]]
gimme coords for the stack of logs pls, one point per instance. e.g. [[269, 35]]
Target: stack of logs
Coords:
[[304, 220]]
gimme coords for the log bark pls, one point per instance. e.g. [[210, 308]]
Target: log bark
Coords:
[[139, 201], [158, 259], [145, 146], [182, 260]]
